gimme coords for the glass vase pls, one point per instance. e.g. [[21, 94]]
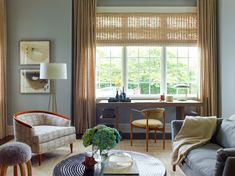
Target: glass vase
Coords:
[[100, 156]]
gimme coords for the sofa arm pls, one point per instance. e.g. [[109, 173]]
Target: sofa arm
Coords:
[[229, 167], [223, 165], [175, 128]]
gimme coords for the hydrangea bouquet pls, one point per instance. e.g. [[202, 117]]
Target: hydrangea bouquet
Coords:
[[101, 136]]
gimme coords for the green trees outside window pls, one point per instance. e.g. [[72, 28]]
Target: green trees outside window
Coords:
[[138, 69]]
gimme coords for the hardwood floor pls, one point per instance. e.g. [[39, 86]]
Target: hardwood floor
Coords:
[[51, 159], [6, 139]]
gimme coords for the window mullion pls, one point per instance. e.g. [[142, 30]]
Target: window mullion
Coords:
[[149, 71], [163, 86], [124, 68]]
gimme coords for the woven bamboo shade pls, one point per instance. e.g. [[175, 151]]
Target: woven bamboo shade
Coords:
[[146, 28]]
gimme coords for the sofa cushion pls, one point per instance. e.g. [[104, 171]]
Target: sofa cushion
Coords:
[[152, 123], [45, 133], [202, 160], [225, 133]]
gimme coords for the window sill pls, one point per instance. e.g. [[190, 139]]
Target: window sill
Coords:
[[146, 98]]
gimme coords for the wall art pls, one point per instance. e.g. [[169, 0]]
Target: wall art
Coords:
[[30, 82], [34, 52]]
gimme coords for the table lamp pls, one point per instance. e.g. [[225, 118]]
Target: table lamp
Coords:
[[53, 71]]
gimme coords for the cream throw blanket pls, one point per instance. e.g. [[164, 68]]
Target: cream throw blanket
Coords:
[[195, 132]]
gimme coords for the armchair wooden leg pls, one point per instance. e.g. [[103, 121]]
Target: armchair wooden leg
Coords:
[[3, 170], [15, 170], [155, 136], [71, 147], [29, 168], [147, 139], [131, 137], [39, 156], [174, 168], [163, 139]]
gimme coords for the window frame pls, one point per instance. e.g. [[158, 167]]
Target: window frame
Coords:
[[163, 76]]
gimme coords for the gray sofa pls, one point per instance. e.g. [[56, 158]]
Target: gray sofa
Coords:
[[216, 158]]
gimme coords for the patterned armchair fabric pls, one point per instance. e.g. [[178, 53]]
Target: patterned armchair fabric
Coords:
[[42, 130]]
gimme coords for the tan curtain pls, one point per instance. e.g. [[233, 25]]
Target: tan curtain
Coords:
[[3, 53], [209, 62], [84, 64]]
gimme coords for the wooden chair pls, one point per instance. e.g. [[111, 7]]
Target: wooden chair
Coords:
[[154, 119]]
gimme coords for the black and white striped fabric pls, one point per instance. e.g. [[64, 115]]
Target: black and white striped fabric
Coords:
[[73, 166]]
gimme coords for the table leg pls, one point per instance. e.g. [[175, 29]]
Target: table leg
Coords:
[[180, 113], [117, 117]]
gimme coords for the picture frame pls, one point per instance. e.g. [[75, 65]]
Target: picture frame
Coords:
[[30, 82], [34, 52]]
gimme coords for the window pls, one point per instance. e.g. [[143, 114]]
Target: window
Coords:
[[108, 70], [143, 71], [147, 53], [182, 68]]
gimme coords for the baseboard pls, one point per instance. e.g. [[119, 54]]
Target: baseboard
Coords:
[[138, 133], [6, 139], [143, 136]]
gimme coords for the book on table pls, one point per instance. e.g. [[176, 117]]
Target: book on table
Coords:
[[129, 171]]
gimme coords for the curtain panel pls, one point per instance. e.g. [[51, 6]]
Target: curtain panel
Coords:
[[207, 12], [84, 38], [3, 55]]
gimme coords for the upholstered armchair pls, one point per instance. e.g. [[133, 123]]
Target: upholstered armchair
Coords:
[[43, 131]]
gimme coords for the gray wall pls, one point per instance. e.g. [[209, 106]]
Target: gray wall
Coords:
[[227, 56], [38, 20]]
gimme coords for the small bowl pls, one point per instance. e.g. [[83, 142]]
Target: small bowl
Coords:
[[120, 160]]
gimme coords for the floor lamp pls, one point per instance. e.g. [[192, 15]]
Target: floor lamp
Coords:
[[53, 71]]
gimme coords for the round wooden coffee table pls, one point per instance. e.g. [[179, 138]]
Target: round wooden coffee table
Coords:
[[147, 165]]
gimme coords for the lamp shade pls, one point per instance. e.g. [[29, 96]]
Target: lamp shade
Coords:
[[53, 71]]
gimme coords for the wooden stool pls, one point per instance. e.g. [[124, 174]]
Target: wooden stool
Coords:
[[13, 154]]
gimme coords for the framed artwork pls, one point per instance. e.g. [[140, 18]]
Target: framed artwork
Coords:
[[30, 82], [34, 52]]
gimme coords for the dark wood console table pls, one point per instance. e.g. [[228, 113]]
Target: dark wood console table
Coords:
[[142, 104]]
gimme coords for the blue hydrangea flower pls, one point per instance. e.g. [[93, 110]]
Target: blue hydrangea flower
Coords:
[[105, 138]]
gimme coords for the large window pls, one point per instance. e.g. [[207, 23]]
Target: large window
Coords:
[[147, 53], [145, 71]]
